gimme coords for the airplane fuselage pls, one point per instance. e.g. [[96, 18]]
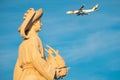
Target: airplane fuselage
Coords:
[[88, 11], [79, 12]]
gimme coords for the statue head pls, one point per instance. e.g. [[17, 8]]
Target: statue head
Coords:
[[31, 19]]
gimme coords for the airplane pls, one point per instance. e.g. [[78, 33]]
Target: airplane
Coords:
[[82, 11]]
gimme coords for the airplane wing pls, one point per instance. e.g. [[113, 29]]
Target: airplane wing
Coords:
[[82, 7]]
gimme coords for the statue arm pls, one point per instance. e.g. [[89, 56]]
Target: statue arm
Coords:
[[40, 64], [60, 66]]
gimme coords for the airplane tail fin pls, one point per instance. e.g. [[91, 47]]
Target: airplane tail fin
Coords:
[[95, 7]]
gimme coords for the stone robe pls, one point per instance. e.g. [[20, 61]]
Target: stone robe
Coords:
[[31, 63]]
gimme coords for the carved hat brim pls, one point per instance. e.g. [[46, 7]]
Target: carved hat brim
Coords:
[[30, 16]]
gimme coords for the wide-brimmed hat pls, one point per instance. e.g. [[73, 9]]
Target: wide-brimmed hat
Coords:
[[30, 16]]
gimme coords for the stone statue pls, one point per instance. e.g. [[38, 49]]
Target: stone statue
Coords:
[[32, 64]]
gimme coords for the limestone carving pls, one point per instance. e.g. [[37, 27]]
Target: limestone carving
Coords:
[[32, 64]]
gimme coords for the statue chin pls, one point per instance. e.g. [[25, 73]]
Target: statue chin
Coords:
[[38, 30]]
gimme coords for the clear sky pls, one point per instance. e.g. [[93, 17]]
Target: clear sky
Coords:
[[89, 44]]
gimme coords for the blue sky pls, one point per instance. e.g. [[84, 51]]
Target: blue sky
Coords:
[[89, 44]]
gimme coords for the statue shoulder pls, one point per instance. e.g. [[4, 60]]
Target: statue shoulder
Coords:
[[28, 42]]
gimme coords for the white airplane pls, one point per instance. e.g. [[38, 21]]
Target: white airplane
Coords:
[[82, 11]]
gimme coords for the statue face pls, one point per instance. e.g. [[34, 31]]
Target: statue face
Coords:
[[38, 26]]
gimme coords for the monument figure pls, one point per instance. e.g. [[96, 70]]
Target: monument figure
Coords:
[[32, 64]]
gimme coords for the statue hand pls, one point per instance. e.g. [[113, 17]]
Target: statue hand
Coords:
[[60, 73]]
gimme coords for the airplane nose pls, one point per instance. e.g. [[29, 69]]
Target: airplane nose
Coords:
[[69, 12]]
